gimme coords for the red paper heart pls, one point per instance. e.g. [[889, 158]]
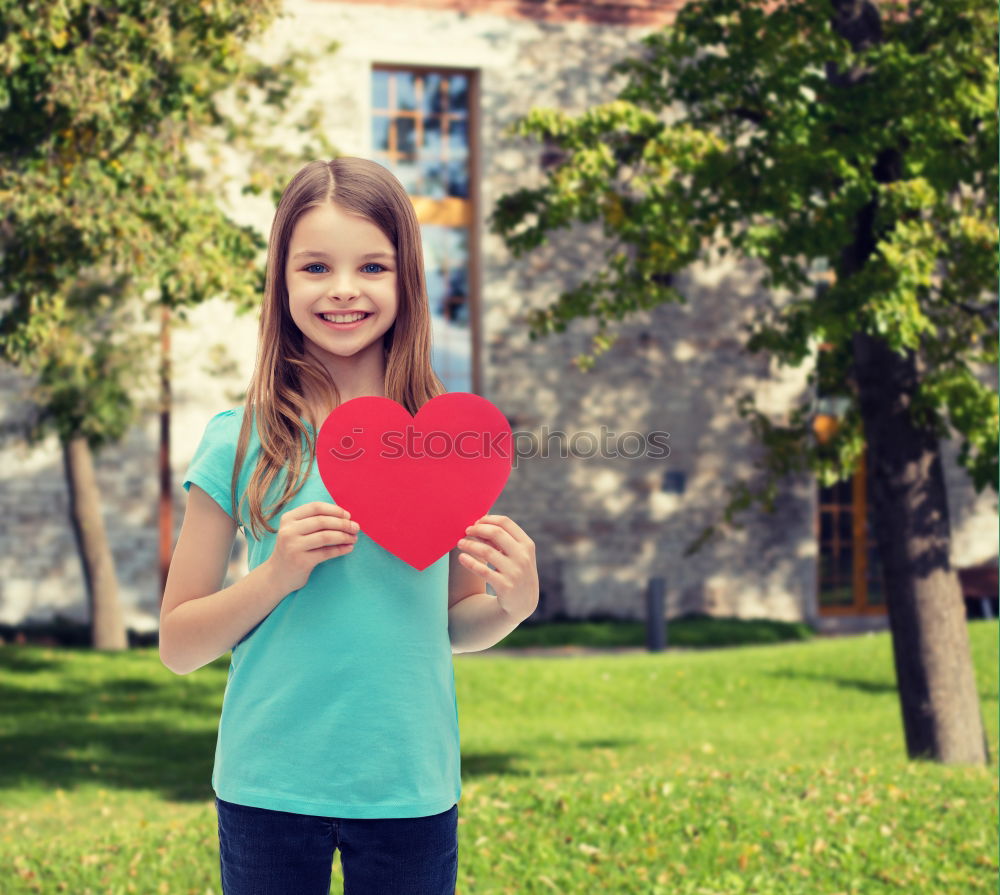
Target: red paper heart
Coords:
[[415, 483]]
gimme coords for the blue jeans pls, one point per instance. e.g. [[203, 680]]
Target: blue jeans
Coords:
[[265, 852]]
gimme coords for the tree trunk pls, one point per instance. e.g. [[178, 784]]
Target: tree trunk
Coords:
[[166, 480], [107, 624], [942, 718]]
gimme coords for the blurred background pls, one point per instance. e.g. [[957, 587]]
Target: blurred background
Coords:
[[428, 91]]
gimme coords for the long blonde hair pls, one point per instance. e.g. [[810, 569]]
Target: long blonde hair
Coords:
[[275, 397]]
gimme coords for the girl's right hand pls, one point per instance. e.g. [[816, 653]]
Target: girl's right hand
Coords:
[[306, 536]]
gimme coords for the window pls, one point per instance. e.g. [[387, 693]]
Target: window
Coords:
[[850, 574], [422, 131]]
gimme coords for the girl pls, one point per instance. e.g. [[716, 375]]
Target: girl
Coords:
[[339, 724]]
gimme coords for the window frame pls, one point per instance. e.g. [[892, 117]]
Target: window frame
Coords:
[[449, 211]]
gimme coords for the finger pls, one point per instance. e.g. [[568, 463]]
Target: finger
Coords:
[[507, 524], [323, 522], [520, 541], [317, 508], [485, 551], [493, 576], [489, 531], [333, 549], [327, 539]]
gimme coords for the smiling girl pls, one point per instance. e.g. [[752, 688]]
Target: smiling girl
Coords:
[[339, 724]]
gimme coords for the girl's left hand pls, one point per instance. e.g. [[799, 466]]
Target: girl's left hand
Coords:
[[500, 541]]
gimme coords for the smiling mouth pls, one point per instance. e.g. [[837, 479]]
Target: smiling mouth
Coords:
[[345, 319]]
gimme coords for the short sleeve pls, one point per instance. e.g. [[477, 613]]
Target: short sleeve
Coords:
[[211, 467]]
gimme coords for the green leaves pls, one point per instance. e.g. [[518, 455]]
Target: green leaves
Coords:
[[761, 132], [115, 116], [972, 409]]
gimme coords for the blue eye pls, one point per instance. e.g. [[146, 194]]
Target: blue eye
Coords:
[[317, 264]]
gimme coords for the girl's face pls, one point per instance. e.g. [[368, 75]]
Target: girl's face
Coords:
[[339, 266]]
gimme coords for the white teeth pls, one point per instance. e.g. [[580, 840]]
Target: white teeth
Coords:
[[343, 318]]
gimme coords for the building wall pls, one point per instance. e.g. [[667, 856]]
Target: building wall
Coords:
[[603, 527], [598, 12]]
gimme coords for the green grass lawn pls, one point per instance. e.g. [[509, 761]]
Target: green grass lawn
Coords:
[[777, 768], [690, 631]]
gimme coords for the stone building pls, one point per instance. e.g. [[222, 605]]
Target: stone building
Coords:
[[427, 88]]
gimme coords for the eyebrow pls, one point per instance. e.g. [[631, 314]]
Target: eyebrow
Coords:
[[314, 254]]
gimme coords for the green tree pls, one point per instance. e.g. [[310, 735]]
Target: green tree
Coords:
[[842, 131], [113, 118]]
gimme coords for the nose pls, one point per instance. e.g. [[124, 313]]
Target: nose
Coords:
[[343, 287]]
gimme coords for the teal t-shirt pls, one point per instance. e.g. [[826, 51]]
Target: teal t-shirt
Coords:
[[341, 701]]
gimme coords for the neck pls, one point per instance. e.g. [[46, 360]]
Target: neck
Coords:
[[362, 375]]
